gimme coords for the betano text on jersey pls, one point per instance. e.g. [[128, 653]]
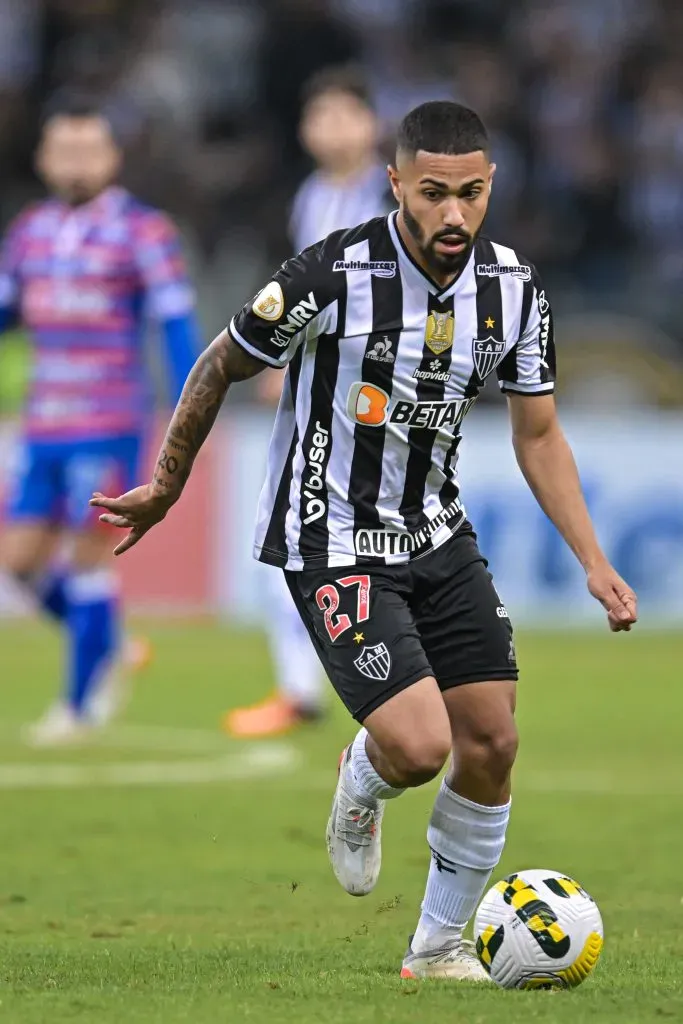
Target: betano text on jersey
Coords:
[[383, 366]]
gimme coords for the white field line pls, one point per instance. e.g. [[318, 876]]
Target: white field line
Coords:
[[253, 762], [281, 765]]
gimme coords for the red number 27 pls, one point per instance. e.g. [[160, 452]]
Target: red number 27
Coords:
[[327, 599]]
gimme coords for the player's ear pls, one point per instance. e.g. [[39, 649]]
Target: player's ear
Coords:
[[395, 182], [492, 171]]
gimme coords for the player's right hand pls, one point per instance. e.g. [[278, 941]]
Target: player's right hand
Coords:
[[137, 510], [615, 596]]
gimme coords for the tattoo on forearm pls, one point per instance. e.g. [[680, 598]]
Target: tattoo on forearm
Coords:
[[220, 365], [177, 447], [167, 462]]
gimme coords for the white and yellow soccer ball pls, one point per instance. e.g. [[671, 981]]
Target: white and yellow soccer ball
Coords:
[[538, 929]]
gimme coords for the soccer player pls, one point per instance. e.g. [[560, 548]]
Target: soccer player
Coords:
[[362, 510], [340, 131], [83, 271]]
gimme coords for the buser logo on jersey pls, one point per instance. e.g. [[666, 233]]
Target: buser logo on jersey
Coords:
[[297, 318], [371, 406], [312, 480]]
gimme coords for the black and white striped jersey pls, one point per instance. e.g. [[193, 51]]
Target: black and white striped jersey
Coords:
[[383, 366]]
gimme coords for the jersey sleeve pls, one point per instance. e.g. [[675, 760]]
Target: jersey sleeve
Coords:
[[529, 368], [298, 304], [161, 265]]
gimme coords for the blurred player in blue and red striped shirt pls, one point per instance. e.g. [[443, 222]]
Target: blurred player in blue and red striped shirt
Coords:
[[84, 272]]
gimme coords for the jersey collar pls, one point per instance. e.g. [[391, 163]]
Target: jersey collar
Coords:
[[408, 263]]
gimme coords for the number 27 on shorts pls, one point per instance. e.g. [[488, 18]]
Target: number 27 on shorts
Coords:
[[327, 599]]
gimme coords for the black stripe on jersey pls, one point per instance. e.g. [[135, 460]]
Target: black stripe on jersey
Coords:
[[275, 542], [317, 446], [489, 308], [489, 304], [381, 353], [420, 439]]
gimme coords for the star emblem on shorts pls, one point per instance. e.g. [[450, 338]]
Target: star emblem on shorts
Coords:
[[490, 322], [358, 638]]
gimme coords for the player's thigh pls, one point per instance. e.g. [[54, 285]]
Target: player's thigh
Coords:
[[27, 546], [364, 632], [110, 466], [464, 626], [412, 730], [30, 533]]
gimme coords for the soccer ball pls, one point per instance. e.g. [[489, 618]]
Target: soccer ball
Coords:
[[538, 929]]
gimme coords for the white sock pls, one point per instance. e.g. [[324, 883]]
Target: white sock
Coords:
[[299, 674], [369, 787], [466, 840]]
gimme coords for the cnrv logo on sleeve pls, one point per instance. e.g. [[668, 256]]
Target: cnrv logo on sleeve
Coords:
[[378, 268], [269, 304], [297, 318], [500, 270]]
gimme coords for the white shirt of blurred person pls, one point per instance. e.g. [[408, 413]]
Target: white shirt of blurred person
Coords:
[[349, 185]]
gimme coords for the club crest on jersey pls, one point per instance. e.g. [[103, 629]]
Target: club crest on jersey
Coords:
[[486, 354], [374, 662], [270, 302], [439, 331]]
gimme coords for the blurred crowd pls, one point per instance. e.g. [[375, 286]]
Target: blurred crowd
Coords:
[[583, 98]]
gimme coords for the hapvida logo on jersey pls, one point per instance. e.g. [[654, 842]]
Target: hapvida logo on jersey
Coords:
[[371, 406], [297, 318], [435, 372], [312, 484]]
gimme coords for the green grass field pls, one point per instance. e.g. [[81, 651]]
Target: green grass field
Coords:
[[169, 875]]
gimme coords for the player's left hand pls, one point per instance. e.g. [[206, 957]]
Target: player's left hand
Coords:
[[138, 510], [615, 596]]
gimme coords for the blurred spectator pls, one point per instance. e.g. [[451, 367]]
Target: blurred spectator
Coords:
[[340, 132], [583, 100]]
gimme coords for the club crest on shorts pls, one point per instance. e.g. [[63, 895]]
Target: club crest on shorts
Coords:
[[486, 354], [374, 662], [439, 331]]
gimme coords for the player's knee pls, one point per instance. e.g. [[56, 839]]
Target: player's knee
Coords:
[[421, 759], [490, 754]]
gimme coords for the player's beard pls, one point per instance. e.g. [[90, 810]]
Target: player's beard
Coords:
[[441, 263]]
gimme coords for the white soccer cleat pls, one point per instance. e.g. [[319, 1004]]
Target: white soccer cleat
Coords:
[[457, 961], [354, 836], [60, 726]]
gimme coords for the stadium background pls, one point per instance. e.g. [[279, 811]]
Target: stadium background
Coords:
[[169, 874], [584, 101]]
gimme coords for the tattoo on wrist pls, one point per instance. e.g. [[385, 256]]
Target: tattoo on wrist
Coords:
[[164, 484]]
